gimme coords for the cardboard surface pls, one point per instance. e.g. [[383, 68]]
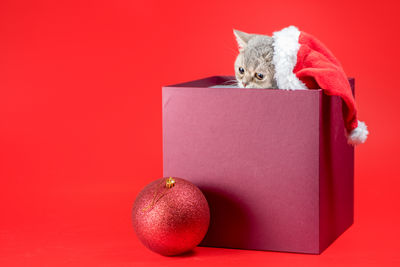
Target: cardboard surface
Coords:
[[267, 161]]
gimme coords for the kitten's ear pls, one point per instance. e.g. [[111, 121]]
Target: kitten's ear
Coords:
[[242, 38]]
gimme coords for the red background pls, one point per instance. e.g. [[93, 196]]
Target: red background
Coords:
[[80, 120]]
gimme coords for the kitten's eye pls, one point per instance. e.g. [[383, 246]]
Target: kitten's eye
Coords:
[[241, 70], [259, 76]]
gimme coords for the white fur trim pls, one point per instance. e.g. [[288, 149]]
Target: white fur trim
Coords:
[[286, 45], [358, 135]]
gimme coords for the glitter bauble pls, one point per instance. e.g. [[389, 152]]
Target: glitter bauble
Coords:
[[171, 216]]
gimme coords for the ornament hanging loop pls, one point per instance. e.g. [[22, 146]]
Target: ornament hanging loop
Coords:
[[170, 182]]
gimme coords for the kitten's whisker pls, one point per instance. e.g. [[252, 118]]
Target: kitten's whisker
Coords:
[[230, 82], [233, 83], [233, 80]]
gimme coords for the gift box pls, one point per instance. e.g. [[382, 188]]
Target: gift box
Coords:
[[273, 164]]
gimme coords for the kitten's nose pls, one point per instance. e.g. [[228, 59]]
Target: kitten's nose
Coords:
[[244, 84]]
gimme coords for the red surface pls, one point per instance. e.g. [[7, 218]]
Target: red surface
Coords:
[[80, 121]]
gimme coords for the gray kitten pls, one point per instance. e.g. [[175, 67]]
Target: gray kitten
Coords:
[[253, 65]]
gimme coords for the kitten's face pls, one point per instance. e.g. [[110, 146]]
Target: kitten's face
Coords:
[[253, 65]]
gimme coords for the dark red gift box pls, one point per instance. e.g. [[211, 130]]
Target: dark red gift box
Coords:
[[273, 164]]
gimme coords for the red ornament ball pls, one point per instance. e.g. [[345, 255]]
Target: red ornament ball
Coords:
[[170, 216]]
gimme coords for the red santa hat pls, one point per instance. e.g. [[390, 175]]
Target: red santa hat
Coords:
[[301, 62]]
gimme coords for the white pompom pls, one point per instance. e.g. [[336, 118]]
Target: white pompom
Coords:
[[358, 135]]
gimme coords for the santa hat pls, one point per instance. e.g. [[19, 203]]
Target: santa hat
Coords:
[[301, 62]]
